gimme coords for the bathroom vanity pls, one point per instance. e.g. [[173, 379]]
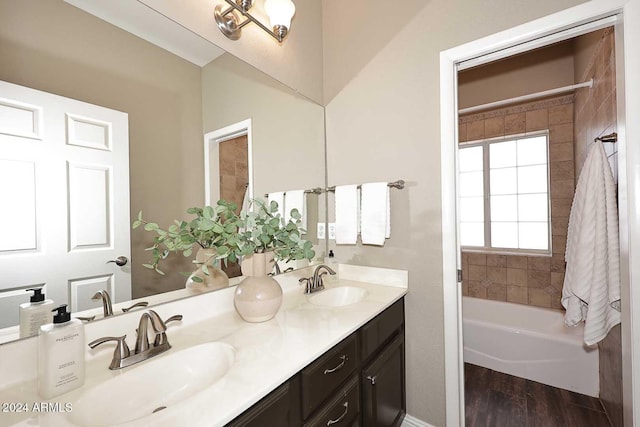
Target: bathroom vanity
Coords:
[[360, 381], [335, 357]]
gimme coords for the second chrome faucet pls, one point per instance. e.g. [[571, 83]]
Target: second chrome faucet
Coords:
[[144, 349], [315, 283]]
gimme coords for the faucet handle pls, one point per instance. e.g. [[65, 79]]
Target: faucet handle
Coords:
[[138, 304], [307, 281], [162, 338], [119, 353]]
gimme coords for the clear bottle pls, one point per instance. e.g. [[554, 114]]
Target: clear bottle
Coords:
[[60, 355], [331, 262], [35, 313]]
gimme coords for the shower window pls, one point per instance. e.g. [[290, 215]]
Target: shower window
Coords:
[[504, 194]]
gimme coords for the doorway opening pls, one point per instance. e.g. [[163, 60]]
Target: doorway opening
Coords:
[[228, 171], [526, 123]]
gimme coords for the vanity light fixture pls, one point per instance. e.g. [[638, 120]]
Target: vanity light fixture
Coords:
[[280, 13]]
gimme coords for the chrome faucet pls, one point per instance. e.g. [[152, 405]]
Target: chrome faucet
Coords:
[[315, 283], [107, 308], [122, 355]]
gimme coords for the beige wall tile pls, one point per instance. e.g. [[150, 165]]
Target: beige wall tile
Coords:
[[514, 123], [537, 120], [497, 275], [557, 263], [561, 133], [497, 292], [559, 225], [462, 132], [539, 263], [477, 290], [477, 259], [557, 280], [560, 114], [561, 151], [562, 188], [494, 127], [496, 260], [559, 244], [517, 261], [539, 298], [561, 207], [465, 288], [477, 272], [475, 130], [517, 294], [561, 170], [556, 303], [538, 279], [517, 276]]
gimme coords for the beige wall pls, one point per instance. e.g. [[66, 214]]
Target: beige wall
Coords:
[[287, 129], [297, 62], [531, 72], [54, 47], [385, 115]]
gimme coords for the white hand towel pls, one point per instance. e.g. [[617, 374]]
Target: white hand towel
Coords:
[[375, 224], [295, 199], [277, 197], [591, 291], [346, 214]]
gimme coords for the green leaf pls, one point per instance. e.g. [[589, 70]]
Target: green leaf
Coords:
[[140, 216], [208, 212], [295, 214], [149, 266], [151, 226], [136, 224], [196, 279]]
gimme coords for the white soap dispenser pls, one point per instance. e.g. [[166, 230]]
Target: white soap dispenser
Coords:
[[60, 355], [35, 313]]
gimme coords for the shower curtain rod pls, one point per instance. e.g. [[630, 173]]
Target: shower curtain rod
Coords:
[[525, 97]]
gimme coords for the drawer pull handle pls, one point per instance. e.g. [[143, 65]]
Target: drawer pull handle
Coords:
[[337, 368], [372, 379], [341, 417]]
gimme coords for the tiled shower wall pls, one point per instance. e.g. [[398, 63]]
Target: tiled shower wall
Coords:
[[531, 280], [596, 116]]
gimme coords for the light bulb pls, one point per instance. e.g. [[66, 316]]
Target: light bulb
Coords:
[[280, 12]]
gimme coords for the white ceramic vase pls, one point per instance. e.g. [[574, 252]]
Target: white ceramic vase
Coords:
[[258, 297], [216, 279]]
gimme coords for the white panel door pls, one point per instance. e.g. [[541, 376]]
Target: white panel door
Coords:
[[64, 199]]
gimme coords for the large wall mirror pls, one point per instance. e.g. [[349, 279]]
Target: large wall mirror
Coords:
[[171, 104]]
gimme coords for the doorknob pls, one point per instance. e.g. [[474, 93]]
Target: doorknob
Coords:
[[120, 261]]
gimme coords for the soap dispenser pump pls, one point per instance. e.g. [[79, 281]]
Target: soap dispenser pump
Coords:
[[35, 313], [60, 354]]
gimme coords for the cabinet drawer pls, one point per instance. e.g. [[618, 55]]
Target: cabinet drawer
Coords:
[[324, 376], [379, 330], [280, 408], [342, 411]]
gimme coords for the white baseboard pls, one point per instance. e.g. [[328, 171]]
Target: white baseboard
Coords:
[[410, 421]]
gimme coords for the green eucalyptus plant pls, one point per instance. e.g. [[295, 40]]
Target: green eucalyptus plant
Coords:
[[265, 231], [212, 228], [232, 236]]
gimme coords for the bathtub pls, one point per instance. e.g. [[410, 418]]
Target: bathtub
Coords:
[[528, 342]]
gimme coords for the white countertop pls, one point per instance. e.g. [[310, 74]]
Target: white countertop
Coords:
[[267, 354]]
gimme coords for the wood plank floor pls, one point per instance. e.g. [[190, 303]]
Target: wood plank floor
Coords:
[[494, 399]]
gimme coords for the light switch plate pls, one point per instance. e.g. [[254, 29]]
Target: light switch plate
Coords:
[[321, 230], [332, 231]]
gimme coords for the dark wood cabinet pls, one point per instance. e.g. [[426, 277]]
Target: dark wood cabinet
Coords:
[[383, 387], [359, 382], [280, 408]]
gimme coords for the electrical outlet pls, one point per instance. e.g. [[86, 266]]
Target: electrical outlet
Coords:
[[332, 231], [321, 230]]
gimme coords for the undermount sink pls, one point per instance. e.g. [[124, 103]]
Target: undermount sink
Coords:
[[154, 386], [338, 297]]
